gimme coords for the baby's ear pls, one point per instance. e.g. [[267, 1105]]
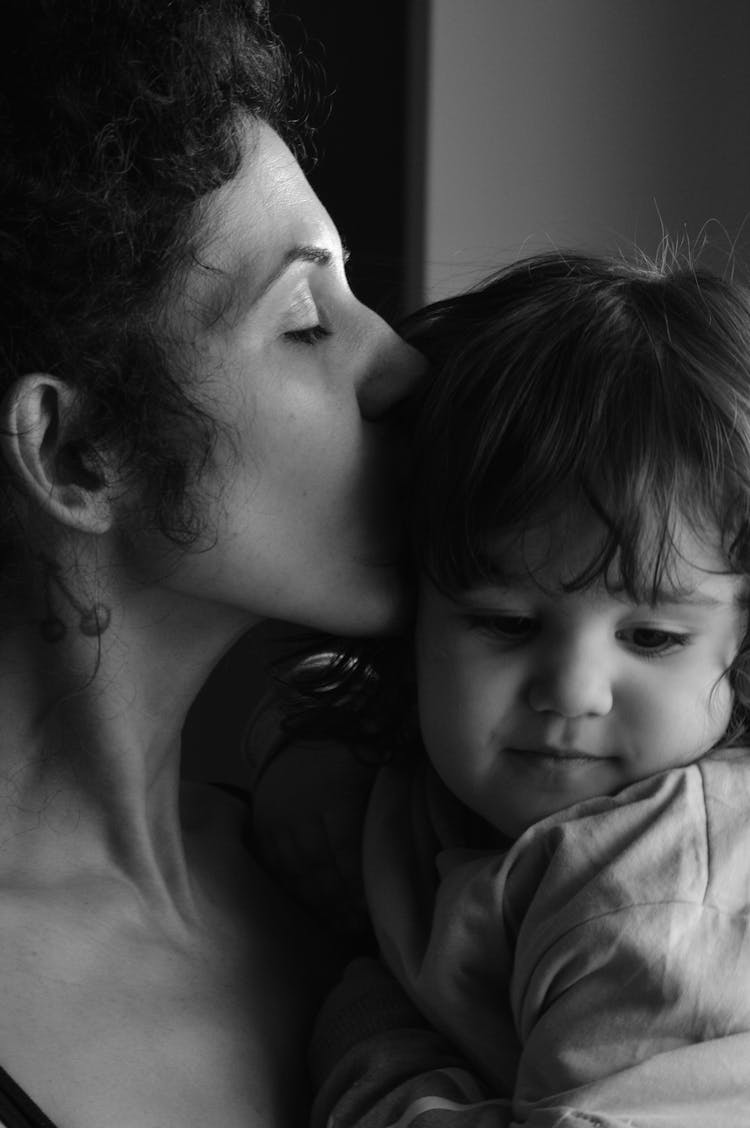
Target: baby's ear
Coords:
[[37, 427]]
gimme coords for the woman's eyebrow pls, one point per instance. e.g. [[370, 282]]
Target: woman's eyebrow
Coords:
[[303, 252], [229, 293]]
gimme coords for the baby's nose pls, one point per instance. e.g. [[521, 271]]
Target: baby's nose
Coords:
[[572, 683]]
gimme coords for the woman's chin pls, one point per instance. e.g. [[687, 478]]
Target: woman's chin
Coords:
[[379, 601]]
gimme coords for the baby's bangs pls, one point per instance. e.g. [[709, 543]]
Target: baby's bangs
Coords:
[[638, 444], [639, 552], [623, 387], [643, 525]]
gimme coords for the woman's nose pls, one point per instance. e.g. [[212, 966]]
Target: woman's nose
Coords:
[[395, 379], [573, 682]]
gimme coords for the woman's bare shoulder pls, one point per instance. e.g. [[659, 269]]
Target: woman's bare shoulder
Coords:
[[222, 1007]]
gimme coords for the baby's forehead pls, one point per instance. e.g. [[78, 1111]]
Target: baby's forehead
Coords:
[[575, 550]]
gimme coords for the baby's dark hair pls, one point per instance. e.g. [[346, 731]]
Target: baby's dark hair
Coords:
[[116, 118], [569, 376]]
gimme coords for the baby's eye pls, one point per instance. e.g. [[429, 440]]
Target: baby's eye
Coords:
[[652, 640], [509, 628], [310, 335]]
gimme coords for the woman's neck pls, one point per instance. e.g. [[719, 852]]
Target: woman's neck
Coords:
[[90, 733]]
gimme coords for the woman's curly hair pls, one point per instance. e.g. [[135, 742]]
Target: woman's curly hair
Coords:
[[116, 118]]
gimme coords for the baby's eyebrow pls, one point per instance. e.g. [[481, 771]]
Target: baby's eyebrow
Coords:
[[695, 599], [663, 597], [674, 597]]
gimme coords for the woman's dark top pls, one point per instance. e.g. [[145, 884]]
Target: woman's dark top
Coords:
[[17, 1110]]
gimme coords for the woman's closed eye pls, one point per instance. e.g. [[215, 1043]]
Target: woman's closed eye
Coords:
[[653, 641], [309, 335], [303, 320]]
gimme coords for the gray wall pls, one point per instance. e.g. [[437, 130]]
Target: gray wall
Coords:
[[586, 122]]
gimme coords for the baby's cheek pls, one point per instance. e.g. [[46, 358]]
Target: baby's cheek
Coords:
[[437, 729], [720, 705], [704, 725]]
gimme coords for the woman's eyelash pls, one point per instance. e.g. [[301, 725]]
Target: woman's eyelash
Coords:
[[309, 335]]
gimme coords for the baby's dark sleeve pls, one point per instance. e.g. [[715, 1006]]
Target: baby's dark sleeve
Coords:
[[376, 1064]]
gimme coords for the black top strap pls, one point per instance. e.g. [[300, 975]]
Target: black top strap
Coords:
[[17, 1110]]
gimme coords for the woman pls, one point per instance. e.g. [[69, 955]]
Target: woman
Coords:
[[196, 433]]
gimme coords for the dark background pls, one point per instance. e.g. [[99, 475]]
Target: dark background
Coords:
[[364, 62], [363, 59]]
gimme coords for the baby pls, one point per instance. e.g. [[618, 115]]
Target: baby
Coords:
[[561, 884]]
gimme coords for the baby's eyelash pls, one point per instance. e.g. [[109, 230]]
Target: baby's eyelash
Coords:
[[663, 641], [511, 628], [308, 336]]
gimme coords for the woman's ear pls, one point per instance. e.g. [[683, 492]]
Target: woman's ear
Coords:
[[37, 417]]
